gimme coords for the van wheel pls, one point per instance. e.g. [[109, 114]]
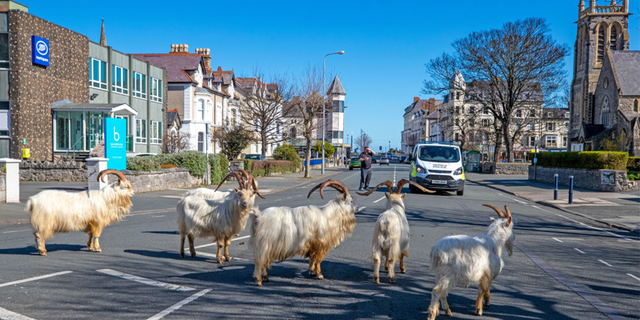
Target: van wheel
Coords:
[[460, 192]]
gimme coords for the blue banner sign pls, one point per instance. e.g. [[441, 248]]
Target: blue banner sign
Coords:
[[39, 51], [115, 143]]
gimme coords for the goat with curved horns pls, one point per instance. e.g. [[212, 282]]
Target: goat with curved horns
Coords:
[[279, 233], [61, 211], [391, 234], [221, 217], [462, 260]]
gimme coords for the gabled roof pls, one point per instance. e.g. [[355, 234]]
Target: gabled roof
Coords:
[[176, 65], [626, 66], [173, 116], [336, 87], [226, 77]]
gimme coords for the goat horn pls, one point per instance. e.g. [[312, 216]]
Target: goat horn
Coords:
[[402, 182], [245, 176], [251, 182], [498, 211], [330, 183], [103, 173], [338, 183], [387, 183], [237, 175], [507, 211]]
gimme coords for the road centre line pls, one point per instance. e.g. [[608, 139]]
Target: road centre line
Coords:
[[516, 200], [213, 243], [580, 251], [178, 305], [556, 239], [146, 281], [632, 276], [14, 231], [378, 200], [34, 278], [605, 263], [6, 314]]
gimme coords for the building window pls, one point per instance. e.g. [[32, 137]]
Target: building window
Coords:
[[337, 135], [600, 55], [551, 141], [457, 95], [485, 110], [566, 125], [532, 113], [218, 114], [156, 132], [201, 141], [457, 122], [200, 111], [532, 141], [234, 117], [339, 106], [564, 141], [605, 111], [550, 126], [550, 114], [472, 110], [486, 122], [532, 126], [635, 105], [156, 89], [518, 113], [119, 79], [139, 85], [613, 38], [97, 73], [456, 136], [141, 131]]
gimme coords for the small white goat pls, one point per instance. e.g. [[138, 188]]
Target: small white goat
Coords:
[[279, 233], [391, 235], [221, 218], [462, 260], [61, 211]]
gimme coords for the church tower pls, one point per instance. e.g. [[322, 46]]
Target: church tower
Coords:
[[600, 28]]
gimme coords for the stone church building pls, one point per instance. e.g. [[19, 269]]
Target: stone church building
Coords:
[[605, 91]]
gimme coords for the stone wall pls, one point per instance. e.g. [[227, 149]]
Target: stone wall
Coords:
[[513, 168], [161, 180], [47, 171], [594, 179]]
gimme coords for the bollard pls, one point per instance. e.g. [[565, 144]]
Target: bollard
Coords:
[[570, 189], [555, 191]]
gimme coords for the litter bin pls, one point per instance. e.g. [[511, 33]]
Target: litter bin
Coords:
[[235, 165], [473, 161]]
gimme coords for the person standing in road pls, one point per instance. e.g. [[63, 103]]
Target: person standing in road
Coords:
[[365, 168]]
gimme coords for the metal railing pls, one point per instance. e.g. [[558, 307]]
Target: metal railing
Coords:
[[73, 148]]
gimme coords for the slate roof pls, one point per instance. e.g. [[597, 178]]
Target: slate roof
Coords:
[[627, 68], [172, 115], [336, 87], [175, 64]]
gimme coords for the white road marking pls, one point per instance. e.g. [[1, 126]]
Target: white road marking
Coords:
[[160, 216], [34, 278], [605, 263], [14, 231], [289, 197], [9, 315], [516, 200], [580, 251], [146, 281], [378, 200], [394, 175], [632, 276], [178, 305], [213, 244], [556, 239], [173, 197]]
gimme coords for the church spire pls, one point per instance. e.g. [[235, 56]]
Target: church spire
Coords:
[[581, 6], [103, 37]]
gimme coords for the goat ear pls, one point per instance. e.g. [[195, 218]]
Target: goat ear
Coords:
[[492, 219], [508, 221], [235, 189], [386, 195], [404, 195]]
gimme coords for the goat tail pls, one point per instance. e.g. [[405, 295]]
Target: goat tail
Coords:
[[29, 206], [436, 258]]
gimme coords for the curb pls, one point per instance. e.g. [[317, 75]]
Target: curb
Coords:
[[544, 203]]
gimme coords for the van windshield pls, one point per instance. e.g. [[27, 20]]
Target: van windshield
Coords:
[[438, 154]]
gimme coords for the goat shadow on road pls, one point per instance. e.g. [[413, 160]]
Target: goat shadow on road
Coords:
[[174, 255], [161, 232], [31, 250]]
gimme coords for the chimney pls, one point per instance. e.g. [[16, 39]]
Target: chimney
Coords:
[[415, 99], [206, 57]]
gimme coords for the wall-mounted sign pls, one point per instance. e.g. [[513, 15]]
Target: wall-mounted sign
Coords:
[[115, 143], [39, 51], [26, 153]]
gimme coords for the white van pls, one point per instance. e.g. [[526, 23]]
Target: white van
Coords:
[[437, 166]]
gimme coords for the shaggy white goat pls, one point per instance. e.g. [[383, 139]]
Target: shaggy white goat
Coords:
[[279, 233], [391, 233], [221, 218], [61, 211], [462, 260]]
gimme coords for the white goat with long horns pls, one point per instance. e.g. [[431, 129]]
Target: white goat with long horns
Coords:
[[391, 235], [221, 218], [61, 211], [279, 233], [462, 260]]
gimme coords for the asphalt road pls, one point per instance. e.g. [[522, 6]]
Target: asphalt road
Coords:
[[562, 267]]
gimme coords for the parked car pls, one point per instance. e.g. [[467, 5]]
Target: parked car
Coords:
[[257, 157], [354, 163], [375, 159], [403, 159], [384, 160]]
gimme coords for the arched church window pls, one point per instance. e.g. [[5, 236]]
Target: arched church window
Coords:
[[605, 111], [635, 105], [600, 43], [613, 38]]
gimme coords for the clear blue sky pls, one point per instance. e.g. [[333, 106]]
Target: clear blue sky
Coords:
[[387, 43]]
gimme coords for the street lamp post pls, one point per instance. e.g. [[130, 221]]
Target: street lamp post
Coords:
[[324, 116]]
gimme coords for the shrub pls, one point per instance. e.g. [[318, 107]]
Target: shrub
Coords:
[[328, 149], [633, 175], [264, 168], [194, 161], [219, 167], [287, 152], [168, 166], [633, 164], [584, 160], [149, 163]]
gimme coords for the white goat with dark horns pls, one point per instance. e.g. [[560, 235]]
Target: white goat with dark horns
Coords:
[[279, 233], [391, 233], [61, 211], [462, 260], [221, 218]]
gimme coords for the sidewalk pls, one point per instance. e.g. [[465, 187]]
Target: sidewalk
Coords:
[[620, 210], [13, 213]]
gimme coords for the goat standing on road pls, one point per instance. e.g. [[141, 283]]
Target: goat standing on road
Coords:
[[391, 234], [462, 260]]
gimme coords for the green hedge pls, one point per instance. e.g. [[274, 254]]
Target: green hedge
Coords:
[[287, 152], [584, 160], [194, 161], [633, 164], [263, 168]]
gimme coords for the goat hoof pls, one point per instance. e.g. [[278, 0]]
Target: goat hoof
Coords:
[[42, 253], [432, 315], [265, 279], [259, 284], [392, 280], [403, 271], [448, 313], [227, 258], [320, 277], [99, 250], [376, 280], [478, 312]]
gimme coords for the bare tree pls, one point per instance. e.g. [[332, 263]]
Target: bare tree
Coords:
[[173, 142], [513, 68], [261, 110], [412, 140], [364, 141]]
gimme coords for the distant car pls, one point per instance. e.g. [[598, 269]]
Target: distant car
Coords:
[[375, 159], [394, 158], [146, 154], [257, 157], [403, 159], [518, 160], [354, 163], [384, 160]]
